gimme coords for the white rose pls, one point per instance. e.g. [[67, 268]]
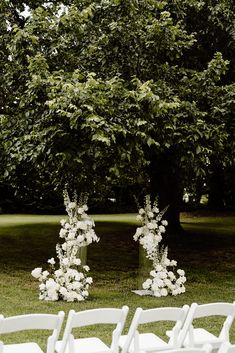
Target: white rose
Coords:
[[181, 272], [85, 293], [164, 222], [80, 238], [45, 274], [150, 214], [164, 292], [63, 233], [51, 261], [89, 280], [86, 268], [162, 229], [36, 273], [58, 273]]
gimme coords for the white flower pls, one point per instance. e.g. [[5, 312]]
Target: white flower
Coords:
[[62, 222], [51, 284], [173, 263], [45, 274], [155, 210], [162, 229], [65, 261], [164, 292], [51, 261], [158, 268], [63, 291], [42, 286], [150, 214], [150, 225], [85, 293], [80, 238], [77, 262], [181, 272], [89, 280], [139, 218], [63, 233], [58, 273], [80, 210], [147, 284], [36, 273], [164, 222], [72, 205], [86, 268], [141, 211]]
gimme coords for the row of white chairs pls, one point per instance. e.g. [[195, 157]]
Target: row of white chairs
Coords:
[[183, 338]]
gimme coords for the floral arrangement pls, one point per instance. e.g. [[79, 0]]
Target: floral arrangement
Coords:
[[163, 280], [70, 282]]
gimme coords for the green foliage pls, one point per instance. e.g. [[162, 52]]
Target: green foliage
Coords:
[[93, 91]]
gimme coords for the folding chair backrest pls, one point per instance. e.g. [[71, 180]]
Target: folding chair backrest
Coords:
[[196, 311], [52, 322], [162, 314], [154, 315], [98, 316], [31, 322], [213, 309], [94, 317]]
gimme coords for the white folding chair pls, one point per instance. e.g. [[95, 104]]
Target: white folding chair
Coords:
[[87, 318], [226, 347], [11, 324], [137, 342], [207, 348], [197, 337]]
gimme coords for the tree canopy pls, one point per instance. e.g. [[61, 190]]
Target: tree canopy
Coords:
[[108, 92]]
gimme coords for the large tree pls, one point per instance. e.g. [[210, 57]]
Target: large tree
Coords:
[[101, 92]]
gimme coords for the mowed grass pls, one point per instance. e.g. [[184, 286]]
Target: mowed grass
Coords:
[[205, 251]]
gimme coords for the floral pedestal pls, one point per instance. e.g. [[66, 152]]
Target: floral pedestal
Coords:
[[82, 255], [158, 275]]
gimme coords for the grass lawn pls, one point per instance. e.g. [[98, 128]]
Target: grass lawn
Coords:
[[206, 252]]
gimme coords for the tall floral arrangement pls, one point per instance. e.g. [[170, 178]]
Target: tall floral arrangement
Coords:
[[70, 281], [164, 278]]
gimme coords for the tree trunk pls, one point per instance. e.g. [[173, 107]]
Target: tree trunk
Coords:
[[166, 184]]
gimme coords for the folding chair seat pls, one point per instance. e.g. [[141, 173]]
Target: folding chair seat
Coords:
[[92, 317], [197, 337], [226, 347], [207, 348], [12, 324], [135, 342]]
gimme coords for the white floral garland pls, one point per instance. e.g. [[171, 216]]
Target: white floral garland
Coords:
[[163, 281], [70, 282]]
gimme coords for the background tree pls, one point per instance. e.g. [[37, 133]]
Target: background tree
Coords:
[[106, 92]]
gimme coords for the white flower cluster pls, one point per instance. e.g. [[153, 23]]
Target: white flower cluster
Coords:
[[164, 281], [149, 235], [70, 282]]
